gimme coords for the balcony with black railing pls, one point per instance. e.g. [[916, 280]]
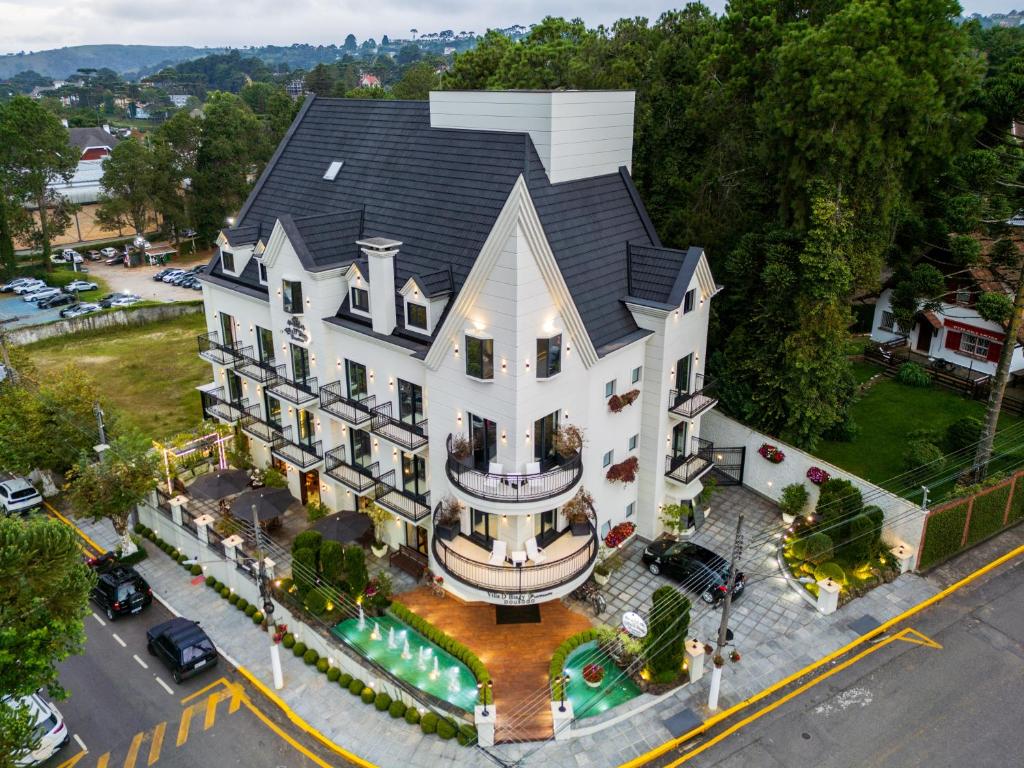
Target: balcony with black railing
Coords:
[[298, 454], [212, 350], [700, 398], [565, 561], [254, 425], [549, 479], [406, 504], [685, 468], [297, 391], [215, 406], [359, 478], [356, 411], [260, 371], [402, 433]]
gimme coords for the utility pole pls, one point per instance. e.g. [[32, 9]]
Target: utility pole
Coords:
[[268, 603], [924, 497], [96, 409], [716, 671]]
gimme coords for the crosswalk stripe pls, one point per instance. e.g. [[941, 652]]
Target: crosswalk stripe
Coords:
[[157, 743], [211, 711], [133, 750], [186, 716], [102, 762]]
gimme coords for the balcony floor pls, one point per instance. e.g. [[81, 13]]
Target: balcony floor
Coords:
[[516, 655]]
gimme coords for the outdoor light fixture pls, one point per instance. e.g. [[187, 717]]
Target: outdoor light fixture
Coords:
[[504, 365], [563, 680], [490, 690]]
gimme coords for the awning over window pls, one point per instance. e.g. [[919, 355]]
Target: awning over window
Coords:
[[932, 318]]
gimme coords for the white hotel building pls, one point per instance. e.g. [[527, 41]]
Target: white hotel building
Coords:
[[479, 265]]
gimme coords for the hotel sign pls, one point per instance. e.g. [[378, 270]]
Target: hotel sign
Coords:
[[296, 331], [518, 598], [634, 623]]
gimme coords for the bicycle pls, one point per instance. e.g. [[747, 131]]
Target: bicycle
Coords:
[[436, 585], [589, 592]]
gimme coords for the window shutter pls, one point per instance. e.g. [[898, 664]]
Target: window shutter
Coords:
[[994, 351], [953, 340]]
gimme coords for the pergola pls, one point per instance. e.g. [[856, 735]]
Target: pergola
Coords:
[[213, 440]]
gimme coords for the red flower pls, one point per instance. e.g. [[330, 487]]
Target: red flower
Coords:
[[817, 475], [619, 534], [593, 673], [771, 453]]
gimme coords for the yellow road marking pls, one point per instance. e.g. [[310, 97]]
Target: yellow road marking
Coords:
[[715, 719], [211, 711], [907, 635], [276, 729], [156, 743], [133, 751], [73, 761], [99, 550], [102, 762], [186, 717], [219, 681]]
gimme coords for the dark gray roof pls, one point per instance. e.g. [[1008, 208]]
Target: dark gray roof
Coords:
[[325, 240], [661, 275], [83, 138], [439, 192], [434, 284], [247, 235]]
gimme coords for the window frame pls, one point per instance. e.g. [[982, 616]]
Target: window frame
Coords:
[[689, 300], [637, 374], [288, 302], [262, 350], [610, 387], [354, 291], [630, 509], [608, 459], [351, 365], [261, 272], [485, 344], [409, 305], [410, 393], [634, 441], [545, 360], [978, 343], [227, 261], [888, 321]]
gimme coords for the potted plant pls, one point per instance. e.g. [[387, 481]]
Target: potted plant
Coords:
[[380, 518], [568, 440], [771, 453], [461, 447], [793, 501], [593, 675], [677, 519], [703, 499], [606, 565], [577, 512], [624, 472], [448, 522]]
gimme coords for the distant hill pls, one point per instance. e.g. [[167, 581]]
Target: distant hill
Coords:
[[126, 60]]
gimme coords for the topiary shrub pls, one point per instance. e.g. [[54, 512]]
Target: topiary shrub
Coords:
[[397, 709], [332, 561], [315, 602], [242, 604], [322, 665], [794, 499], [355, 569], [333, 674], [860, 542], [669, 620], [367, 695], [250, 610], [225, 592], [428, 723], [913, 375], [310, 656], [382, 701], [356, 687], [830, 570], [303, 569], [311, 540], [412, 716], [257, 618], [299, 649], [345, 680], [210, 581], [288, 640], [445, 729], [196, 569], [815, 548], [962, 433], [921, 457], [467, 735], [233, 598]]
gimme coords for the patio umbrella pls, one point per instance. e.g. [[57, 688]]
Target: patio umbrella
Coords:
[[344, 526], [217, 485], [269, 502]]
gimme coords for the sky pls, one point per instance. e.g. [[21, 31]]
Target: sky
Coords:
[[33, 25]]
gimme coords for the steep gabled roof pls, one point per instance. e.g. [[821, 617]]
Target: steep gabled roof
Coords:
[[325, 240], [661, 275]]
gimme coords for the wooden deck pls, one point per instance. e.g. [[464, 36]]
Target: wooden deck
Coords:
[[516, 655]]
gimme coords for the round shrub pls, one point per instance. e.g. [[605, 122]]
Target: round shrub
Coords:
[[196, 569], [288, 640], [333, 674], [382, 701], [367, 695], [257, 618], [210, 581], [139, 528], [316, 603], [467, 735], [250, 610], [963, 433], [322, 665], [913, 375], [218, 585], [445, 729], [397, 709], [286, 584], [242, 604], [233, 598], [412, 716], [345, 679], [830, 570], [299, 650], [181, 557], [356, 687], [428, 723], [816, 548], [225, 592], [923, 457]]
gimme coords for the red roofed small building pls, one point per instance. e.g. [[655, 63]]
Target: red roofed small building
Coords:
[[369, 81]]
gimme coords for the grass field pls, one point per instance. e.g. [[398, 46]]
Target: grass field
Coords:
[[888, 411], [149, 372]]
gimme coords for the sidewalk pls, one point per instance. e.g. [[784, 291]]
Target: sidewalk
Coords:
[[386, 742]]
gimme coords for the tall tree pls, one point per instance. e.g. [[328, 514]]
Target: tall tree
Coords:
[[417, 82], [42, 605], [128, 187]]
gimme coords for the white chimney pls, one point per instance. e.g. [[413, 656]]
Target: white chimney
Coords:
[[578, 134], [380, 253]]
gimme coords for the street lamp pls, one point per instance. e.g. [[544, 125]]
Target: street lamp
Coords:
[[563, 681], [486, 694]]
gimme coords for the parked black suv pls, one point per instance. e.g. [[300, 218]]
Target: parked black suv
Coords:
[[119, 590], [699, 569], [182, 646]]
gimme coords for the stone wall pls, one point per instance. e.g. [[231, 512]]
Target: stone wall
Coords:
[[103, 320]]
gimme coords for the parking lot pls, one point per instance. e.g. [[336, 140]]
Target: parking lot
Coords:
[[139, 280]]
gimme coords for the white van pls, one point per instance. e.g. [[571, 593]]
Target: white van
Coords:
[[50, 729]]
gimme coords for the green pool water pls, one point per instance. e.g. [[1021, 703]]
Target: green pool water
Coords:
[[448, 679], [616, 688]]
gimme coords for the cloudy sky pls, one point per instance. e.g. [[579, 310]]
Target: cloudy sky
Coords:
[[39, 24]]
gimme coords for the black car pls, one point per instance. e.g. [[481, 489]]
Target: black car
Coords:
[[699, 569], [119, 590], [56, 301], [105, 301], [182, 646]]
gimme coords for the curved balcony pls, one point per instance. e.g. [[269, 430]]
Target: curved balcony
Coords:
[[567, 561], [513, 487]]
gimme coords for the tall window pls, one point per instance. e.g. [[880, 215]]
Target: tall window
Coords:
[[272, 407], [410, 402], [479, 357], [234, 387], [975, 346], [304, 421], [416, 316], [261, 271], [414, 474], [227, 329], [544, 526], [361, 456], [484, 434], [300, 363], [549, 357], [361, 299], [292, 293], [688, 300], [356, 375], [637, 373], [485, 526], [683, 366], [544, 437], [609, 388], [227, 261], [265, 344]]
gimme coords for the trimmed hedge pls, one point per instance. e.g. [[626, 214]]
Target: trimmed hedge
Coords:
[[562, 652], [397, 709], [449, 644], [1017, 502], [466, 735], [233, 598], [428, 723], [250, 610], [210, 581], [196, 569], [382, 702], [446, 729], [299, 649], [288, 640], [333, 674], [412, 716], [311, 656], [367, 695], [987, 514], [945, 530], [356, 687], [225, 593], [322, 666], [345, 680], [257, 618]]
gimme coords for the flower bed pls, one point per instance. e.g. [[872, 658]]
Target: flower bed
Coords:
[[619, 534], [771, 453], [817, 475], [593, 674]]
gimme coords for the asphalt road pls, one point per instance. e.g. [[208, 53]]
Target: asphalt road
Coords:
[[907, 703], [125, 710]]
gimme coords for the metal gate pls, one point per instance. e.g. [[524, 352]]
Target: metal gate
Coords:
[[729, 465]]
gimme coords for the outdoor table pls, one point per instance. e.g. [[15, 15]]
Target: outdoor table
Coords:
[[518, 557]]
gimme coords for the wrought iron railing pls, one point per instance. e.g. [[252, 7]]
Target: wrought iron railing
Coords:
[[254, 425], [297, 391], [212, 350], [410, 506], [263, 372], [553, 480], [401, 433], [695, 402], [685, 468], [357, 411], [216, 406], [359, 479], [515, 579], [298, 454]]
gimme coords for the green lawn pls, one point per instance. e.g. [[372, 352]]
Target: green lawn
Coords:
[[148, 372], [863, 371], [887, 412]]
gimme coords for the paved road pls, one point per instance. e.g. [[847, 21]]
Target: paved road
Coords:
[[127, 714], [907, 703]]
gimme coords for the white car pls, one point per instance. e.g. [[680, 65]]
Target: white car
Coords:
[[29, 286], [80, 285], [125, 301], [80, 309], [109, 253], [6, 287], [41, 293], [18, 495], [66, 257], [141, 242], [49, 728], [172, 274]]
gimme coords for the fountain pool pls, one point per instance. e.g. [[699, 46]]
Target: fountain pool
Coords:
[[586, 701], [455, 683]]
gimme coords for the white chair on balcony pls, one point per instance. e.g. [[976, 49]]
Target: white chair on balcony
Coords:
[[536, 555], [492, 480], [533, 468], [498, 552]]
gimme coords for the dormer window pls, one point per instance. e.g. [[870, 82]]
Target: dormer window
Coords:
[[415, 316], [360, 298], [227, 261], [292, 295]]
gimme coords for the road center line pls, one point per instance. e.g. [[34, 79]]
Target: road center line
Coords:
[[81, 743], [165, 686], [142, 664], [101, 621], [122, 642]]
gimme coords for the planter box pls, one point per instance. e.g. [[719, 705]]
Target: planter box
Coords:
[[446, 531], [580, 529], [600, 578]]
